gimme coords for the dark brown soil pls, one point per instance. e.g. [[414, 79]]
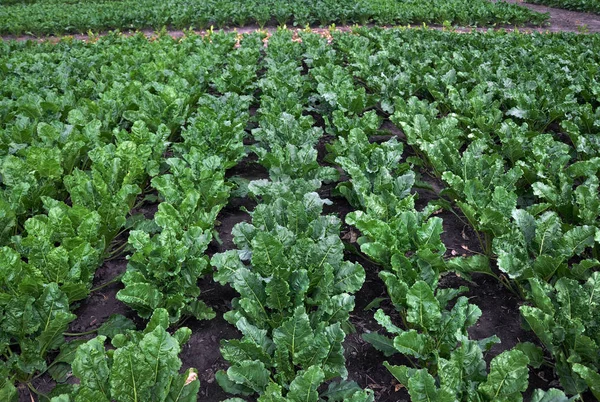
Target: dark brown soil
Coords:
[[202, 350], [102, 303], [364, 362]]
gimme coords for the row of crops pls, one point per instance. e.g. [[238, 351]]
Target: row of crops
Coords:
[[90, 133], [591, 6], [58, 17]]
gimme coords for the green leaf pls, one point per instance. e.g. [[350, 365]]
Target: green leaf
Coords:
[[469, 265], [251, 374], [534, 353], [423, 307], [61, 366], [540, 291], [161, 352], [160, 318], [401, 373], [526, 223], [421, 387], [52, 336], [552, 395], [385, 321], [349, 278], [131, 374], [381, 343], [272, 394], [230, 386], [184, 388], [91, 366], [115, 324], [84, 394], [278, 294], [251, 287], [578, 239], [466, 366], [143, 297], [8, 392], [295, 334], [340, 391], [200, 310], [376, 302], [590, 376], [235, 351], [304, 387], [508, 377], [412, 343], [542, 324]]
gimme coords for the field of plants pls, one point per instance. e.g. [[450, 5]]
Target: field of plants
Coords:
[[402, 214], [80, 16]]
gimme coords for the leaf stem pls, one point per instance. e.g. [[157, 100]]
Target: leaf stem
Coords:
[[117, 252], [35, 391], [80, 333], [114, 280]]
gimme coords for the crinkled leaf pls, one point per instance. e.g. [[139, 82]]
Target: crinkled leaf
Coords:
[[304, 387], [508, 377]]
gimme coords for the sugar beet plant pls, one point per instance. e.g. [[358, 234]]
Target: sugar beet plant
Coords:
[[577, 5], [165, 266], [407, 244], [164, 269], [51, 264], [144, 365]]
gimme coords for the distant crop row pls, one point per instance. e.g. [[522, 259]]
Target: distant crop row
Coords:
[[57, 17], [592, 6]]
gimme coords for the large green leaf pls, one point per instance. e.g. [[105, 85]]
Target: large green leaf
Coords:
[[161, 352], [591, 377], [91, 366], [413, 343], [507, 378], [304, 387], [295, 334], [381, 343], [422, 388], [251, 374], [132, 375], [423, 307], [551, 395]]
